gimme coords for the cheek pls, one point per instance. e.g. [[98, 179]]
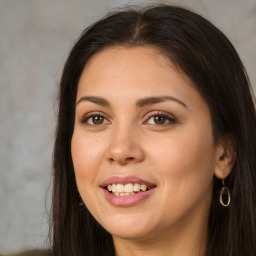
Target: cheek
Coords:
[[186, 150], [186, 166], [86, 156], [185, 162]]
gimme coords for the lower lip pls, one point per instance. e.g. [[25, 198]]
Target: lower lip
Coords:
[[126, 201]]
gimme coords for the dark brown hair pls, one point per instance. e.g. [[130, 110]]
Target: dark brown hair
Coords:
[[210, 61]]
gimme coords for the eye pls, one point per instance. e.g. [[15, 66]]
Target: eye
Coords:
[[160, 119], [94, 119]]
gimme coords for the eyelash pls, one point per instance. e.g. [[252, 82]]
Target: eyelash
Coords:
[[91, 115], [170, 118]]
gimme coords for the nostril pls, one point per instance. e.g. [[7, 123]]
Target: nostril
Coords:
[[111, 159], [129, 158], [122, 161]]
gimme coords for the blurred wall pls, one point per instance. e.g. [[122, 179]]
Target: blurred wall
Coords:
[[35, 38]]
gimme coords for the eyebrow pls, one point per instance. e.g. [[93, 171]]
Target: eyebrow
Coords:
[[139, 103], [94, 99], [154, 100]]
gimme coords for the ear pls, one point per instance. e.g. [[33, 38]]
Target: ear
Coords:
[[225, 157]]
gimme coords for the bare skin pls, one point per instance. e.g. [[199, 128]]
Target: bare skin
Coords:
[[138, 116]]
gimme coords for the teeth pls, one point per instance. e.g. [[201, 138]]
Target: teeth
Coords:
[[136, 187], [120, 188], [127, 189], [113, 188], [143, 187], [123, 194]]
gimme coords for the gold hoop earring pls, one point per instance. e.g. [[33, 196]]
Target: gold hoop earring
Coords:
[[225, 191]]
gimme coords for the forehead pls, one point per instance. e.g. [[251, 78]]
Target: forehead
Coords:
[[132, 54], [132, 67]]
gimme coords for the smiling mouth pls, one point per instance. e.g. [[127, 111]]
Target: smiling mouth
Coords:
[[127, 189]]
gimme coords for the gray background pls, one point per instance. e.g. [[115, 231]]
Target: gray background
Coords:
[[35, 38]]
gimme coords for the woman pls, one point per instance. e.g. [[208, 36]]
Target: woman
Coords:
[[154, 151]]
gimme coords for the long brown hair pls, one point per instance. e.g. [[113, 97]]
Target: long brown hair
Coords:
[[207, 57]]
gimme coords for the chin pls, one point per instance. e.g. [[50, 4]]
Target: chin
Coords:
[[135, 234], [129, 229]]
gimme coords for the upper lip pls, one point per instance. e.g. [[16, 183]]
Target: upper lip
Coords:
[[126, 180]]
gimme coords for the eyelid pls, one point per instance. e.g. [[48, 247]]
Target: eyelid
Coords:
[[165, 114], [92, 114]]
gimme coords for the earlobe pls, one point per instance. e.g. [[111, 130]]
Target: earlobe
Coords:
[[225, 157]]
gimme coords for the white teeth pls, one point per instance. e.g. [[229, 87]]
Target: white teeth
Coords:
[[127, 189], [120, 188], [123, 194], [113, 188], [136, 187], [143, 187]]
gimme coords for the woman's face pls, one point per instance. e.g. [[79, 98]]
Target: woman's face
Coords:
[[140, 121]]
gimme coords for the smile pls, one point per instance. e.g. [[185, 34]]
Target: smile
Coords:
[[126, 189]]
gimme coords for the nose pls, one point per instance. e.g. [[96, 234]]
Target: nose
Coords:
[[125, 147]]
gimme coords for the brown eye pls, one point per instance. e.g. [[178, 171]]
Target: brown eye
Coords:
[[95, 120], [159, 120]]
